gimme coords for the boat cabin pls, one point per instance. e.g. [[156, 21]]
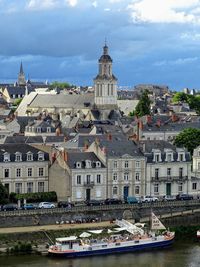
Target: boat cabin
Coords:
[[65, 243]]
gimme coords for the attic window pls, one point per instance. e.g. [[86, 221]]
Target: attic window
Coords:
[[98, 164], [169, 157], [86, 104], [48, 129], [18, 156], [40, 156], [29, 156], [88, 164], [181, 157], [6, 157], [157, 157], [78, 165]]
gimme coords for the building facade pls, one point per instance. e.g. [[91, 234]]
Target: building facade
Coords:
[[23, 168]]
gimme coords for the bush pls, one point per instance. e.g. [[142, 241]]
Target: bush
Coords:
[[38, 197]]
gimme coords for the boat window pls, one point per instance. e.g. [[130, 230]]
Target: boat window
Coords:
[[137, 241], [104, 246], [117, 244]]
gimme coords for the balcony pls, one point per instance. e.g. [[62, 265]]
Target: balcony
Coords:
[[89, 184], [169, 179]]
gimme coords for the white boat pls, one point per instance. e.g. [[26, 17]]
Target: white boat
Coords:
[[198, 234], [133, 238]]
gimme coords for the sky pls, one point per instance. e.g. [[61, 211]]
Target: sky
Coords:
[[150, 41]]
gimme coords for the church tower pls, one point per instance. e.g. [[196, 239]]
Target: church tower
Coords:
[[105, 85], [21, 76]]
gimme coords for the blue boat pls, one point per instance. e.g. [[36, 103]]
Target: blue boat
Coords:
[[134, 238]]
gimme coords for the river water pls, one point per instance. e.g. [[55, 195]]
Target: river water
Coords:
[[181, 254]]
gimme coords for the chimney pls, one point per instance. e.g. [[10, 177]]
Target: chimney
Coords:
[[148, 119], [58, 132], [174, 117], [140, 125], [65, 156], [104, 150], [86, 145], [53, 157], [158, 123], [109, 137]]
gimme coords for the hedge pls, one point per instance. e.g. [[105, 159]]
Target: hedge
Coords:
[[34, 197]]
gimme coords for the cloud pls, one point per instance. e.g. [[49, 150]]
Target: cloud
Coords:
[[72, 3], [44, 4], [165, 11], [179, 61]]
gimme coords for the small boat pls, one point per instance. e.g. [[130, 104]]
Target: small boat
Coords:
[[134, 238], [198, 234]]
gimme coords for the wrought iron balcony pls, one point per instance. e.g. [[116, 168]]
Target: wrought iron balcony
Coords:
[[89, 184], [169, 179]]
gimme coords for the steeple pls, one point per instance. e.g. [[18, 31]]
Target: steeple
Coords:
[[21, 76]]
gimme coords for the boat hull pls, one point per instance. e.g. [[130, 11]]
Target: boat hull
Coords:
[[107, 251]]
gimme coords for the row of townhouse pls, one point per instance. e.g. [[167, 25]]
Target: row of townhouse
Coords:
[[114, 168]]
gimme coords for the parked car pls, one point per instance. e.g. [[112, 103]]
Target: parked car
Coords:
[[65, 204], [112, 201], [10, 207], [169, 198], [131, 200], [94, 202], [184, 197], [46, 205], [30, 206], [149, 199]]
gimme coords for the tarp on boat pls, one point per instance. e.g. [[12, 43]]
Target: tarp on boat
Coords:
[[95, 231]]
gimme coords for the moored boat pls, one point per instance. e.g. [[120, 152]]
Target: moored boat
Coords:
[[134, 238]]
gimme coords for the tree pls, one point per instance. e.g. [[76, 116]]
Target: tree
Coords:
[[179, 97], [60, 85], [189, 138], [3, 194], [143, 106]]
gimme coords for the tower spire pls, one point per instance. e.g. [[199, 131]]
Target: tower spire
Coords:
[[21, 69]]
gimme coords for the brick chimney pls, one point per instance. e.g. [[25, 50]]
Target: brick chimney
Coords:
[[148, 119], [109, 137], [65, 156], [141, 126], [58, 131], [158, 123]]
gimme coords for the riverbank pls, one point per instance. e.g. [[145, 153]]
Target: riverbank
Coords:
[[36, 239]]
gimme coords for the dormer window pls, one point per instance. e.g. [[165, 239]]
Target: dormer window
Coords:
[[38, 130], [169, 157], [78, 165], [88, 164], [98, 164], [48, 129], [181, 157], [156, 155], [29, 156], [18, 156], [40, 156], [6, 157]]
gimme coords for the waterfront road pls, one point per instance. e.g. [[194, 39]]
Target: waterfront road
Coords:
[[54, 227]]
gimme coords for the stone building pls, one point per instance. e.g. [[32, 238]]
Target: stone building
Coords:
[[23, 168], [168, 169]]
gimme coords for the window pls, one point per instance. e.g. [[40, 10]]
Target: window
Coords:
[[157, 158], [6, 173], [18, 157], [88, 179], [115, 176], [180, 188], [30, 172], [18, 188], [137, 176], [115, 164], [98, 164], [156, 188], [78, 179], [198, 165], [180, 172], [137, 164], [40, 187], [115, 190], [29, 156], [194, 186], [181, 157], [98, 178], [18, 172], [48, 129], [156, 173], [38, 129], [126, 164], [30, 187], [137, 190], [6, 157], [41, 171], [78, 194], [40, 156], [168, 171], [126, 176], [169, 157]]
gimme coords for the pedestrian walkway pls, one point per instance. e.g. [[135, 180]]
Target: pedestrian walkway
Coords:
[[38, 228]]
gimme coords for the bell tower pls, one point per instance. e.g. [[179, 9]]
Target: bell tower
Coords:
[[21, 76], [105, 85]]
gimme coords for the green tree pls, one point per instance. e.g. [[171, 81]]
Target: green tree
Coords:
[[17, 102], [179, 97], [60, 85], [143, 106], [189, 138], [3, 194]]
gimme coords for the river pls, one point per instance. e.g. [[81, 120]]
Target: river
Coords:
[[181, 254]]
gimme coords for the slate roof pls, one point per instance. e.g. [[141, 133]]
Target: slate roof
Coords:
[[17, 90], [23, 140], [13, 148], [171, 127], [73, 157], [62, 101], [161, 145]]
